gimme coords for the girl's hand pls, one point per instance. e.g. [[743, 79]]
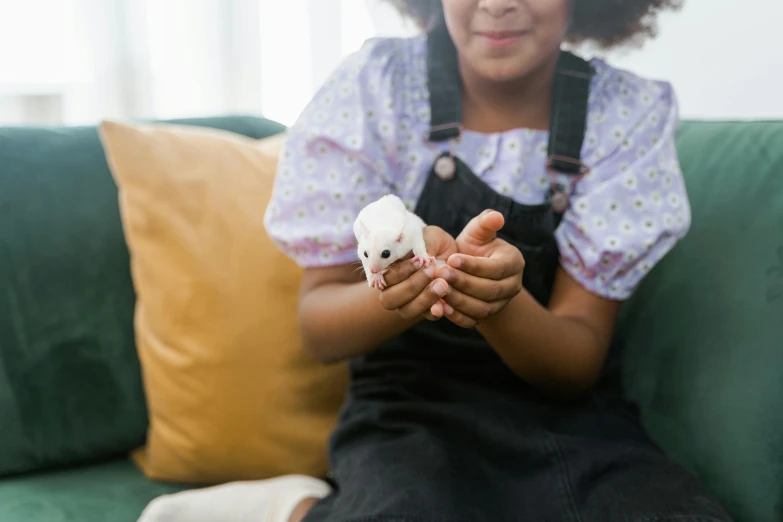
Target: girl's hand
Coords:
[[486, 273], [417, 293]]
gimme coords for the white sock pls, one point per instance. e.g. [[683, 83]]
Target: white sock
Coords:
[[270, 500]]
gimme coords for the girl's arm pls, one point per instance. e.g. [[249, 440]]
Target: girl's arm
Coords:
[[560, 349]]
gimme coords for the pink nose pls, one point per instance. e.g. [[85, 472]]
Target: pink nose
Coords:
[[375, 269]]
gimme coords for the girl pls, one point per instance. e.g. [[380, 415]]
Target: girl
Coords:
[[485, 389]]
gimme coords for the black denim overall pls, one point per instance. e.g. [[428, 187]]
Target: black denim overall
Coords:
[[437, 429]]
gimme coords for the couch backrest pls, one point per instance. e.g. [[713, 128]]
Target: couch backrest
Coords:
[[703, 336], [70, 385]]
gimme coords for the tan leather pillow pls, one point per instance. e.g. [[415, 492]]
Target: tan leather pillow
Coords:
[[231, 394]]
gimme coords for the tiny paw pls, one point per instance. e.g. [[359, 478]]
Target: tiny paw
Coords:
[[423, 261], [377, 281]]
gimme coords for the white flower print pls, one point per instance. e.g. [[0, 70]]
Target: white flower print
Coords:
[[512, 145], [667, 180], [626, 145], [629, 179], [631, 255], [582, 205], [612, 206], [346, 115], [654, 117], [668, 220], [626, 227], [370, 115], [301, 214], [386, 129], [652, 173], [674, 200], [618, 134], [612, 242], [638, 204], [646, 98], [543, 181], [524, 188], [333, 176], [624, 112], [310, 187], [322, 207], [309, 165], [362, 199], [599, 223], [641, 152], [505, 190], [286, 173], [346, 89], [424, 114], [332, 131], [655, 198], [542, 149], [649, 226]]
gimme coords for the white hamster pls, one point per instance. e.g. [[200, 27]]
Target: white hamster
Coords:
[[387, 231]]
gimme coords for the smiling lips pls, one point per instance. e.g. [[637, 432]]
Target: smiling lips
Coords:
[[501, 38]]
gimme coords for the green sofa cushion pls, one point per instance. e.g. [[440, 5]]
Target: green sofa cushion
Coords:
[[703, 335], [70, 383], [109, 492]]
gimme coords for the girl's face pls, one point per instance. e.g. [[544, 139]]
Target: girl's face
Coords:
[[503, 40]]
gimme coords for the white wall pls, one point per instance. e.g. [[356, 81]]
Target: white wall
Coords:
[[724, 57]]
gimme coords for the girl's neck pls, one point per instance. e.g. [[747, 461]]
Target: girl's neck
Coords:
[[492, 107]]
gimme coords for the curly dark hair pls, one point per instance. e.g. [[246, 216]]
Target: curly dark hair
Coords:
[[605, 23]]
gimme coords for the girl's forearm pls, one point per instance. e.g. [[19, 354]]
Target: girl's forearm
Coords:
[[559, 355], [340, 321]]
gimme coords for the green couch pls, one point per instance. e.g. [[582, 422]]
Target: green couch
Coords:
[[703, 336]]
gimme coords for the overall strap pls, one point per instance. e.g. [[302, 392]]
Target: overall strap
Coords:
[[570, 94], [568, 119]]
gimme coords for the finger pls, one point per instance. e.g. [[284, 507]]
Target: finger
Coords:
[[438, 242], [482, 288], [425, 300], [435, 312], [402, 292], [470, 306], [400, 271], [482, 229], [505, 261], [460, 319]]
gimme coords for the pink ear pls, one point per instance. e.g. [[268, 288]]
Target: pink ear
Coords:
[[399, 238]]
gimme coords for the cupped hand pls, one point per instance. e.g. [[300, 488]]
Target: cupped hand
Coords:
[[417, 293], [485, 273]]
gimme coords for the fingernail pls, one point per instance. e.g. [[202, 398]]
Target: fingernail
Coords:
[[430, 271], [440, 288], [486, 212], [456, 262], [445, 273], [447, 309]]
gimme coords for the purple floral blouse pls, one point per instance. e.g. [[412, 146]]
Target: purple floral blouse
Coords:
[[362, 136]]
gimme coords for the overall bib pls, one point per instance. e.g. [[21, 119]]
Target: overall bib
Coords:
[[436, 428]]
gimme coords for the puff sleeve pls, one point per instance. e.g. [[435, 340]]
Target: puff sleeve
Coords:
[[633, 207], [336, 159]]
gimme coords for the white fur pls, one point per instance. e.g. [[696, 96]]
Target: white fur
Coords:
[[386, 224]]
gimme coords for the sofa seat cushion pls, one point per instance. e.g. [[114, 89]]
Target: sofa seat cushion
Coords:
[[114, 491]]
